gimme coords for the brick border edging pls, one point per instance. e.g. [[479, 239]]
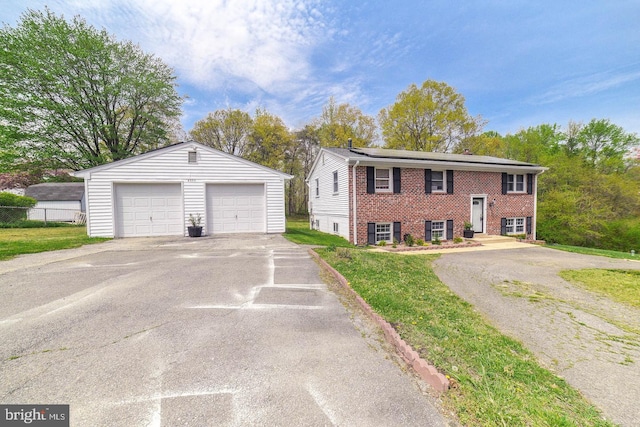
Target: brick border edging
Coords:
[[427, 372]]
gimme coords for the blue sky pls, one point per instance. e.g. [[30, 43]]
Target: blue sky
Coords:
[[517, 63]]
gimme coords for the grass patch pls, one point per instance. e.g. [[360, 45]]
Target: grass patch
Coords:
[[620, 285], [298, 231], [18, 241], [593, 251], [26, 223], [496, 380]]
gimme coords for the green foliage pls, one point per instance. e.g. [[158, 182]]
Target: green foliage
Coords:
[[619, 285], [436, 241], [382, 243], [419, 242], [409, 240], [432, 117], [73, 96], [458, 239], [225, 130], [339, 122], [14, 208]]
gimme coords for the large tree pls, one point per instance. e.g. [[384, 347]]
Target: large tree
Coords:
[[77, 97], [226, 130], [432, 117], [340, 122]]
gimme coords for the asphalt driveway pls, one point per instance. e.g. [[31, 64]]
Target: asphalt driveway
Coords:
[[194, 332], [587, 339]]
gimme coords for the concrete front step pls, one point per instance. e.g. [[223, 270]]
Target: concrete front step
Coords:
[[488, 238]]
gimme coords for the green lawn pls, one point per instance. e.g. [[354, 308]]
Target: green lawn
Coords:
[[17, 241], [592, 251], [496, 380], [298, 231], [620, 285]]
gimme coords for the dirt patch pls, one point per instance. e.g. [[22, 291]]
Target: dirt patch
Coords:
[[590, 340]]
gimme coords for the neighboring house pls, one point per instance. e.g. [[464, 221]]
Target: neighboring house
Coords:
[[154, 194], [57, 201], [367, 195]]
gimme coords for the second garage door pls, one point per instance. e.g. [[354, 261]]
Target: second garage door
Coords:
[[149, 210], [236, 208]]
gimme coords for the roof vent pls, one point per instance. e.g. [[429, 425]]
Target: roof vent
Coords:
[[349, 144]]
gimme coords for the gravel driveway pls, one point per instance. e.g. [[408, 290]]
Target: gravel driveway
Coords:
[[591, 341]]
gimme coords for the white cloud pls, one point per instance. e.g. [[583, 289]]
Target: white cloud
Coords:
[[585, 85]]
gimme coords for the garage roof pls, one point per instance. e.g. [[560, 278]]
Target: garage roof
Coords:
[[56, 191]]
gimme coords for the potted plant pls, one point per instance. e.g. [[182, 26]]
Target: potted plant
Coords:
[[468, 230], [195, 230]]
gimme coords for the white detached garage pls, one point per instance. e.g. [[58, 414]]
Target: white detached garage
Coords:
[[153, 194]]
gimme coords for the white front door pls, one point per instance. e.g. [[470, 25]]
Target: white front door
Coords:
[[477, 214]]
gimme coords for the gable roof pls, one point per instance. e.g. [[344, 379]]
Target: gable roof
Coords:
[[426, 159], [178, 146], [56, 191]]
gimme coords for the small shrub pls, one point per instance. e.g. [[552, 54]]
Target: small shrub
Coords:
[[331, 248], [409, 240], [344, 253], [395, 243], [436, 241], [458, 239], [419, 242], [382, 243]]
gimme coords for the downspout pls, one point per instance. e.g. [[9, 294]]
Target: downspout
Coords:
[[354, 204]]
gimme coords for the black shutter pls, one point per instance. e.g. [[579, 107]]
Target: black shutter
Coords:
[[371, 179], [371, 233], [396, 180], [397, 231], [449, 229], [449, 182], [427, 231], [530, 183], [504, 183], [529, 224], [503, 226], [427, 181]]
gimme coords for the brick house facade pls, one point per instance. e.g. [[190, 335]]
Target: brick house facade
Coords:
[[368, 195]]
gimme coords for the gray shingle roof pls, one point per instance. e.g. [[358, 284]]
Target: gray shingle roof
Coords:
[[417, 156], [51, 191]]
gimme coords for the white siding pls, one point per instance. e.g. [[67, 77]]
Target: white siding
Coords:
[[330, 207], [58, 210], [171, 165]]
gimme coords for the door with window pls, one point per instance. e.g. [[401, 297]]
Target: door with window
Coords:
[[477, 214]]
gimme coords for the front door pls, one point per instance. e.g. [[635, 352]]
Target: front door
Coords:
[[477, 214]]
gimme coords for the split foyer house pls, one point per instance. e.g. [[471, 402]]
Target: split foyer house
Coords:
[[368, 195]]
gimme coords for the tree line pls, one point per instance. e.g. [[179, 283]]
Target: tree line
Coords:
[[75, 97]]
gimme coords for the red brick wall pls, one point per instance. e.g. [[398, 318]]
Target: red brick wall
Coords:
[[412, 207]]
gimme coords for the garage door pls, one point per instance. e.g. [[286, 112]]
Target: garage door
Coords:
[[149, 210], [236, 208]]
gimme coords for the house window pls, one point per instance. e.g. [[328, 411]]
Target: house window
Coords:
[[193, 157], [335, 182], [383, 232], [437, 182], [317, 187], [515, 226], [515, 183], [383, 181], [317, 224], [437, 230], [335, 227]]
